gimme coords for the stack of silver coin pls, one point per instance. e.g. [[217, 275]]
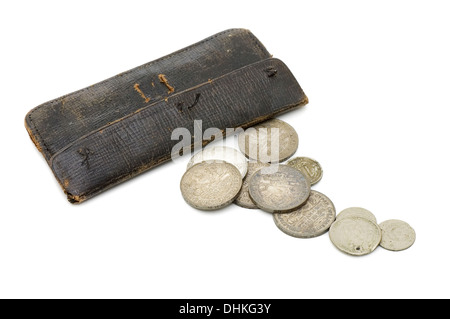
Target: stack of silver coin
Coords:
[[254, 177]]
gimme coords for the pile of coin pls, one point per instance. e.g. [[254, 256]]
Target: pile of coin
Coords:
[[254, 177]]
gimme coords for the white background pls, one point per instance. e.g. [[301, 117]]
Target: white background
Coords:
[[377, 74]]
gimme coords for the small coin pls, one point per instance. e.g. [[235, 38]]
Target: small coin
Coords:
[[396, 235], [312, 219], [211, 186], [357, 212], [309, 167], [282, 191], [355, 236], [262, 143], [221, 153], [243, 198]]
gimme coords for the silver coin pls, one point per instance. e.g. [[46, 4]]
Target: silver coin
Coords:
[[309, 167], [312, 219], [221, 153], [355, 236], [260, 143], [243, 198], [211, 186], [357, 212], [396, 235], [281, 191]]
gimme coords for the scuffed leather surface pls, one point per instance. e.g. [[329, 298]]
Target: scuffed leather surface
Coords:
[[59, 122]]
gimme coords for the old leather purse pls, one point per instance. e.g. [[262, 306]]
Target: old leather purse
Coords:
[[109, 132]]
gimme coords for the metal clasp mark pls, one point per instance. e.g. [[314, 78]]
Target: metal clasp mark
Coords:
[[137, 89], [197, 97], [85, 153], [162, 78], [271, 71], [180, 104]]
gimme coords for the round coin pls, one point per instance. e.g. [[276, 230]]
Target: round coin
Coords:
[[272, 141], [281, 191], [357, 212], [243, 198], [312, 219], [221, 153], [355, 236], [211, 186], [309, 167], [396, 235]]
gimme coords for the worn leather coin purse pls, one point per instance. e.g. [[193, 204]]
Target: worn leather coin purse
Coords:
[[109, 132]]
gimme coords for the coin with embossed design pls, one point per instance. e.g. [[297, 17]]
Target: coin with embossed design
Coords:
[[356, 212], [396, 235], [221, 153], [243, 198], [211, 186], [272, 141], [282, 191], [309, 167], [355, 236], [312, 219]]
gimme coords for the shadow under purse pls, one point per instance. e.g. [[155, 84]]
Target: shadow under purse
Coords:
[[107, 133]]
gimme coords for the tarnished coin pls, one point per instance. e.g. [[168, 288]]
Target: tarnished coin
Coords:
[[243, 198], [272, 141], [279, 192], [357, 212], [221, 153], [355, 235], [396, 235], [211, 186], [312, 219], [309, 167]]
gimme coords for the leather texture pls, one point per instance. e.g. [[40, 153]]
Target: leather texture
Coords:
[[61, 121], [107, 133]]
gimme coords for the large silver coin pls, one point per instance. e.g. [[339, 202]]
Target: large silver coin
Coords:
[[221, 153], [261, 143], [396, 235], [312, 219], [355, 236], [309, 167], [279, 192], [243, 198], [357, 212], [211, 186]]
